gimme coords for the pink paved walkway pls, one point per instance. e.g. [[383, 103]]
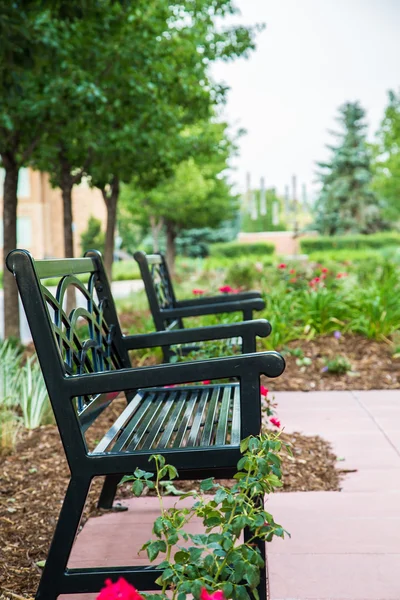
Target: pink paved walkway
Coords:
[[344, 545]]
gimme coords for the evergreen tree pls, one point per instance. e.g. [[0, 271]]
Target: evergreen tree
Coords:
[[346, 202], [386, 166]]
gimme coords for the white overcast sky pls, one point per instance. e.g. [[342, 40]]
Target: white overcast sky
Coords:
[[313, 56]]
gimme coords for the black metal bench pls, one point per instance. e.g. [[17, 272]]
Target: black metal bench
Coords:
[[168, 312], [85, 363]]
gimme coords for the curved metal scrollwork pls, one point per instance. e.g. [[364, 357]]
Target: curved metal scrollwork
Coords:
[[162, 287], [84, 338]]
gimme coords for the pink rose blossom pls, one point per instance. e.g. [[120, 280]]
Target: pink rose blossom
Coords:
[[292, 271], [282, 266], [275, 422], [197, 292], [121, 590], [218, 595], [263, 391], [206, 381], [226, 289]]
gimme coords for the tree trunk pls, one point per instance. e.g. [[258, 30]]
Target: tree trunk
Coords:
[[111, 199], [170, 255], [156, 227], [67, 183], [11, 306]]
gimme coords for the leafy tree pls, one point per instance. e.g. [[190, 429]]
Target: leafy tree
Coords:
[[34, 74], [386, 182], [148, 65], [197, 195], [346, 202], [93, 236]]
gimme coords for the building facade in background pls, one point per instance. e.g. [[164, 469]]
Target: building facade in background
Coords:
[[40, 214]]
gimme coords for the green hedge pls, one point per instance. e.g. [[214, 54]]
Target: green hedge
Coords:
[[237, 250], [354, 242]]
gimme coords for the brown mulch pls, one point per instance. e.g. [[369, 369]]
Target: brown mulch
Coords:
[[373, 366], [33, 481]]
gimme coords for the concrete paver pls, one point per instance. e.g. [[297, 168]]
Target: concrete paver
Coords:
[[344, 545]]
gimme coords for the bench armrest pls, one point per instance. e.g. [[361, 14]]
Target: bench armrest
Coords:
[[245, 329], [245, 306], [220, 298], [246, 366]]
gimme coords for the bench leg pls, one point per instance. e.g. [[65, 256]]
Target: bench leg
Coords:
[[108, 492], [262, 586], [64, 536]]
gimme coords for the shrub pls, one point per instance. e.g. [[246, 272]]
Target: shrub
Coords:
[[226, 556], [33, 398], [377, 240], [93, 238], [242, 275], [237, 250], [339, 365]]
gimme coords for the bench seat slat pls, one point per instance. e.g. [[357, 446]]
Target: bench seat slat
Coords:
[[173, 421], [208, 429], [118, 425], [131, 427], [235, 435], [159, 424], [222, 428], [184, 424], [198, 418], [149, 418]]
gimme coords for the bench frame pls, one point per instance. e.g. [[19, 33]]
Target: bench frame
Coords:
[[68, 375]]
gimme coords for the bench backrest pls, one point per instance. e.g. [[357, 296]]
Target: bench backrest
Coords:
[[159, 289], [86, 340]]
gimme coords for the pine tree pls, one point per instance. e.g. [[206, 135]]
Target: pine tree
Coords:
[[346, 202]]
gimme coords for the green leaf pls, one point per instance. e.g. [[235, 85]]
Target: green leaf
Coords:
[[137, 487], [207, 484], [167, 574], [195, 553], [41, 563], [181, 557], [220, 495], [172, 472], [152, 551], [244, 444]]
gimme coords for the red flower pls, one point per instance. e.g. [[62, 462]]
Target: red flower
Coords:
[[293, 280], [275, 422], [282, 266], [340, 275], [226, 289], [317, 279], [218, 595], [323, 276], [171, 385], [263, 391], [121, 590], [206, 381], [197, 292], [325, 270], [292, 271]]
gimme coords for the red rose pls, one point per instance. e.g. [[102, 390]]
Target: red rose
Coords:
[[121, 590], [226, 289], [197, 292], [263, 391], [218, 595], [275, 422]]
